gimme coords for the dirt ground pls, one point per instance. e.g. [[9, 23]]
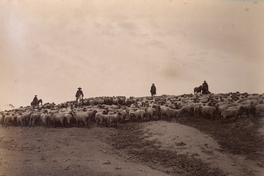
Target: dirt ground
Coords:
[[192, 146]]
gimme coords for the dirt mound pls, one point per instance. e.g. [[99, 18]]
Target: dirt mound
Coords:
[[159, 146], [179, 149]]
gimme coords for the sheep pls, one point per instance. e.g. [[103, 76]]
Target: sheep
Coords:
[[173, 113], [113, 119], [2, 118], [91, 113], [140, 114], [231, 112], [124, 114], [10, 119], [132, 114], [20, 119], [100, 118], [24, 118], [164, 112], [222, 107], [249, 107], [57, 117], [197, 110], [208, 110], [188, 109], [69, 117], [33, 118], [259, 109], [45, 118], [115, 106], [151, 113], [81, 116]]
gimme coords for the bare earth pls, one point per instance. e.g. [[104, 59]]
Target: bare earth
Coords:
[[131, 149]]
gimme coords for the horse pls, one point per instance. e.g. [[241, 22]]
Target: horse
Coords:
[[36, 103], [197, 89]]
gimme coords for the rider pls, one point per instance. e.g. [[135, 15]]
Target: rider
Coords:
[[35, 99], [78, 93]]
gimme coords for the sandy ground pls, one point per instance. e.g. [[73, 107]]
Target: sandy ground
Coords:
[[57, 151], [187, 140], [80, 151]]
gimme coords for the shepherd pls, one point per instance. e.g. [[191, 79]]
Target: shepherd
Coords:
[[79, 96], [205, 88], [153, 90], [36, 102]]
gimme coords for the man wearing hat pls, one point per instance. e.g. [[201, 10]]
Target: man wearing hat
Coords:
[[78, 94], [35, 99]]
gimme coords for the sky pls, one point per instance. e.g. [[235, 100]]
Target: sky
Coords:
[[50, 48]]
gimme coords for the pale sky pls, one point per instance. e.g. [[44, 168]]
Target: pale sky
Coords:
[[50, 48]]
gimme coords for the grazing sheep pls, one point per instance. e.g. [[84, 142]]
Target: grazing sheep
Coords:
[[34, 117], [197, 110], [249, 107], [81, 117], [24, 118], [173, 113], [208, 110], [45, 118], [57, 117], [151, 113], [100, 118], [69, 117], [2, 118], [188, 109], [132, 114], [164, 112], [231, 112], [259, 109], [140, 114], [124, 114], [222, 107], [10, 119], [113, 119]]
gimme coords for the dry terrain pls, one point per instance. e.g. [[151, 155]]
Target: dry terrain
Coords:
[[190, 146]]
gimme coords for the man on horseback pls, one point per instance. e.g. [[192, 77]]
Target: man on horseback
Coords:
[[79, 95], [35, 100]]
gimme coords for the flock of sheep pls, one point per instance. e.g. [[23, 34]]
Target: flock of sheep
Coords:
[[109, 111]]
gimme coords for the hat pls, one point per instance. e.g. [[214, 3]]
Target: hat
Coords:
[[36, 95], [79, 88]]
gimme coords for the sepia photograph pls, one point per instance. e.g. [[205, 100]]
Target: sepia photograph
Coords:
[[131, 87]]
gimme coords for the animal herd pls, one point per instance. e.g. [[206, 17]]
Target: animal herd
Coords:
[[109, 111]]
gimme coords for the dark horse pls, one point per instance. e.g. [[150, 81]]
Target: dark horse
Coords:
[[36, 103], [197, 89]]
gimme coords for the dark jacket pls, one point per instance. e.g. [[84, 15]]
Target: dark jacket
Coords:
[[205, 85], [35, 99], [153, 89], [78, 93]]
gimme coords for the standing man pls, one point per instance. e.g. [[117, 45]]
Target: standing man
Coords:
[[78, 94], [153, 90], [205, 88]]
